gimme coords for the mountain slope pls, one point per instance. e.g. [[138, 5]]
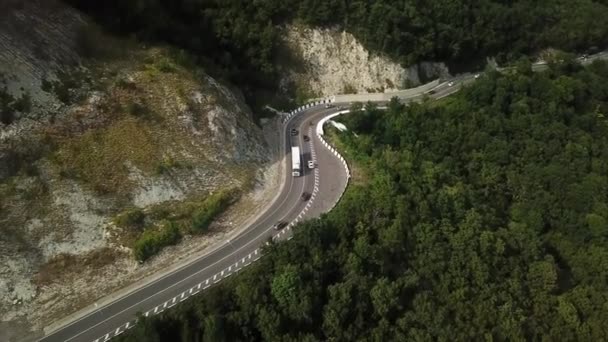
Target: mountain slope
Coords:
[[108, 127]]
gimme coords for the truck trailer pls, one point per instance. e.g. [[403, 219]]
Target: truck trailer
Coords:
[[296, 161]]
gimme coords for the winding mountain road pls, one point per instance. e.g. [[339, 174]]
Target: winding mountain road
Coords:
[[326, 183]]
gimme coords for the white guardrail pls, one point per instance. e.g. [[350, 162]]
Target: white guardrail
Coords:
[[239, 264]]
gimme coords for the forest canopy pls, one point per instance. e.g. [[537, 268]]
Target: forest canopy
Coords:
[[483, 216], [240, 39]]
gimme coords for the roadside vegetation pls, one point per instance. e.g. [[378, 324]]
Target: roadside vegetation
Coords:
[[240, 40], [484, 218], [10, 105], [149, 231]]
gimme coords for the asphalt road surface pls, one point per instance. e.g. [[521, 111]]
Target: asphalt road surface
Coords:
[[325, 183], [330, 180]]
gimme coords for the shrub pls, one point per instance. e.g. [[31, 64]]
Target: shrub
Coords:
[[164, 65], [137, 109], [210, 209], [153, 241], [349, 89], [130, 218]]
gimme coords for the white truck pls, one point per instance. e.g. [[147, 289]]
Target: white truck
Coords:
[[296, 161]]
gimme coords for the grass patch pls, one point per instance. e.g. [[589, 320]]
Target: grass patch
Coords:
[[209, 210], [167, 164], [167, 223], [153, 241], [357, 167], [51, 271], [99, 158], [131, 218]]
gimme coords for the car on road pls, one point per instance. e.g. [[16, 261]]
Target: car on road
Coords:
[[305, 196], [294, 132], [279, 225], [450, 84], [329, 105], [306, 138], [476, 76], [312, 123], [311, 164], [431, 92]]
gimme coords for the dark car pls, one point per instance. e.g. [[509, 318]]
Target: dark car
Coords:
[[306, 138], [305, 196], [279, 225], [312, 123], [294, 131]]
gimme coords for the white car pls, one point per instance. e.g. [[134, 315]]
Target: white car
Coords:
[[450, 84], [311, 164]]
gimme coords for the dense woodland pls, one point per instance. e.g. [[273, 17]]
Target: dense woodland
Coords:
[[239, 39], [482, 217]]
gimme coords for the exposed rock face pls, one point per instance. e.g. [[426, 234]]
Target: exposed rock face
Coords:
[[37, 38], [336, 63], [151, 132]]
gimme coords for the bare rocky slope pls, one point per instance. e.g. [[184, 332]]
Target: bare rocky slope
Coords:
[[83, 140], [334, 62]]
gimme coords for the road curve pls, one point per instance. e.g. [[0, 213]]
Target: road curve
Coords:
[[241, 250], [327, 183]]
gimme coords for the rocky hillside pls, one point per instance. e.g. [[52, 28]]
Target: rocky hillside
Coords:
[[94, 128], [334, 62]]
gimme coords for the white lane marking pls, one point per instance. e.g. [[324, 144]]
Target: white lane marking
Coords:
[[183, 267]]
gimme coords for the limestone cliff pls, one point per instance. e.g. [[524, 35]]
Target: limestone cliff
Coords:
[[94, 125], [334, 62]]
